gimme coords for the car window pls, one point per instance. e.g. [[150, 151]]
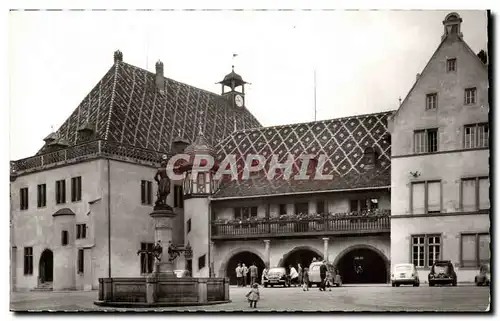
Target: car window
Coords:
[[315, 267], [277, 271], [440, 269], [403, 268]]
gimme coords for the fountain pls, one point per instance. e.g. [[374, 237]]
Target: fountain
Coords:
[[163, 287]]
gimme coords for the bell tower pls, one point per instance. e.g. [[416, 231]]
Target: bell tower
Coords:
[[236, 86]]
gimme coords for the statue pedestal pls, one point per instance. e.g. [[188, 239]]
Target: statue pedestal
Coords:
[[162, 217]]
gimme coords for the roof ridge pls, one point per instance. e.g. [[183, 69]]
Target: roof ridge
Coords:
[[113, 94]]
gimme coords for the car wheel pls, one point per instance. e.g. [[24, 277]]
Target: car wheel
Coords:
[[431, 284], [393, 285], [454, 283], [309, 284], [265, 285], [416, 284]]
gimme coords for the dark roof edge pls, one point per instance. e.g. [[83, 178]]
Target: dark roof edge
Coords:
[[64, 211], [299, 193]]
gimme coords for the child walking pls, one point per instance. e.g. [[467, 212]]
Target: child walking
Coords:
[[254, 295], [305, 279]]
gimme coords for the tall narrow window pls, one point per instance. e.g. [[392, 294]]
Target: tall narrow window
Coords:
[[81, 261], [28, 261], [431, 101], [425, 250], [189, 266], [475, 194], [320, 207], [146, 192], [76, 189], [484, 193], [418, 198], [433, 197], [61, 191], [469, 195], [451, 64], [188, 227], [147, 259], [41, 195], [81, 231], [64, 238], [23, 195], [418, 251], [282, 209], [178, 196], [426, 141], [434, 249], [470, 96], [476, 136], [201, 183], [202, 261]]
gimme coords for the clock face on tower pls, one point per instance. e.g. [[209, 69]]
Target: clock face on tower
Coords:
[[238, 100]]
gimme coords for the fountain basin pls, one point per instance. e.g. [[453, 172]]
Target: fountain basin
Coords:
[[158, 291]]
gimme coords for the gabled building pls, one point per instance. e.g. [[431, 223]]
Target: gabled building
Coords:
[[440, 162], [80, 206]]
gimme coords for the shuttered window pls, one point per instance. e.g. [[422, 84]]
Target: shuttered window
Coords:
[[418, 198]]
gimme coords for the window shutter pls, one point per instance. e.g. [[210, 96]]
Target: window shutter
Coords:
[[484, 193], [469, 250], [469, 195], [484, 248], [418, 198], [434, 196]]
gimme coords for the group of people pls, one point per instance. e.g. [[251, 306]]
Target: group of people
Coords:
[[242, 273]]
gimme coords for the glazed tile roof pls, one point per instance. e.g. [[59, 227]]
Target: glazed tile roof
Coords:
[[343, 141], [126, 108]]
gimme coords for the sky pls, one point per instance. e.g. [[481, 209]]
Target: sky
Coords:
[[364, 60]]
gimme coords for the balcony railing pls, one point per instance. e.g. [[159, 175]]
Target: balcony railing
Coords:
[[84, 151], [303, 226]]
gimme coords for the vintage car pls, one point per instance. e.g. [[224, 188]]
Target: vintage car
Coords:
[[405, 274], [484, 276], [276, 276], [315, 277], [442, 272]]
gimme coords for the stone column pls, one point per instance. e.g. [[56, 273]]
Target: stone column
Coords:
[[267, 254], [325, 248], [163, 232]]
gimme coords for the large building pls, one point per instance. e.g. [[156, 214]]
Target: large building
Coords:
[[440, 162], [80, 207]]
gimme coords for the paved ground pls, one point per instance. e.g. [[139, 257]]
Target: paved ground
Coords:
[[347, 298]]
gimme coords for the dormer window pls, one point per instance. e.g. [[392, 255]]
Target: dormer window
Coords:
[[451, 64], [370, 157]]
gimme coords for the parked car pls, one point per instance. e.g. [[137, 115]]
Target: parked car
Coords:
[[405, 274], [315, 277], [276, 276], [442, 272], [484, 276]]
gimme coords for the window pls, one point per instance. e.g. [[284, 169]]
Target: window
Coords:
[[41, 195], [364, 204], [81, 262], [282, 209], [475, 194], [64, 238], [475, 249], [61, 191], [470, 96], [146, 259], [426, 141], [28, 261], [201, 183], [178, 196], [451, 64], [244, 213], [146, 192], [76, 189], [476, 136], [81, 231], [201, 261], [425, 250], [189, 266], [431, 101], [425, 197], [188, 223], [320, 207], [23, 193], [302, 208]]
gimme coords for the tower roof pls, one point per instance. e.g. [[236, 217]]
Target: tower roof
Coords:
[[232, 76]]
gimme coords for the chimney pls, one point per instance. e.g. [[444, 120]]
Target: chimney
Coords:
[[160, 80], [118, 56], [483, 56]]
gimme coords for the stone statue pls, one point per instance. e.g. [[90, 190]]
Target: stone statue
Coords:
[[158, 251], [163, 181]]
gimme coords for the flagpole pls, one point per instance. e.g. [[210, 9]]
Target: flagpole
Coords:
[[315, 112]]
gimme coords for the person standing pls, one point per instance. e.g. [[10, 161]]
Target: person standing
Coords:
[[322, 273], [245, 273], [253, 273], [264, 274], [299, 270], [254, 295], [239, 274], [294, 276], [305, 280]]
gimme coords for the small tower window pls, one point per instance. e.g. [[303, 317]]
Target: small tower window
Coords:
[[370, 156], [64, 238]]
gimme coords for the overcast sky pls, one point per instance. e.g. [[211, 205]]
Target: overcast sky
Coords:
[[364, 60]]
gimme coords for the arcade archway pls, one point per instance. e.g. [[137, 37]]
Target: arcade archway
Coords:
[[363, 264], [301, 254], [247, 258], [46, 266]]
